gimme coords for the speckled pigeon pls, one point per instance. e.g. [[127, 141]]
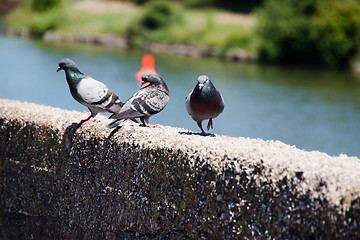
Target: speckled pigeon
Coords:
[[89, 92], [204, 102], [149, 100]]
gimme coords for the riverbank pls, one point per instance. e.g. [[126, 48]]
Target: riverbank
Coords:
[[118, 41], [108, 22], [64, 182], [203, 32]]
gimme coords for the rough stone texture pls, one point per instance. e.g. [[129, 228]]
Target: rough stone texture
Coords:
[[59, 182]]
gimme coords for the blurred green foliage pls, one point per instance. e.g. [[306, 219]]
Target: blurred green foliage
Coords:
[[155, 21], [170, 22], [37, 18], [42, 23], [43, 5], [244, 6], [311, 32], [158, 14], [239, 39]]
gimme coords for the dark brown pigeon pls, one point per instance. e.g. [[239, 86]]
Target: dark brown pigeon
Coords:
[[204, 102], [88, 91], [149, 100]]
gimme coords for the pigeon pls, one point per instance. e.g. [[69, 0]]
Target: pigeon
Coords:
[[88, 91], [204, 102], [148, 64], [151, 98]]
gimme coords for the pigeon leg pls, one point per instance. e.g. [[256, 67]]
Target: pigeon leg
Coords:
[[203, 133], [93, 112], [146, 123], [210, 124], [143, 122], [91, 118]]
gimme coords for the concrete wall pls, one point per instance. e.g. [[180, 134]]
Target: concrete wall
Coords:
[[59, 182]]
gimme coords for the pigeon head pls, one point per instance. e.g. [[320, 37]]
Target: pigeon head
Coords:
[[67, 64], [204, 85], [150, 78], [154, 80], [203, 80]]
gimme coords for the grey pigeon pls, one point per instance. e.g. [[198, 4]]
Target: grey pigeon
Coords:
[[204, 102], [151, 98], [88, 91]]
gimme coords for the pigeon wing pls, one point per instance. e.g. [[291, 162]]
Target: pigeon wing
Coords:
[[95, 94], [130, 108], [143, 103], [155, 102], [187, 103]]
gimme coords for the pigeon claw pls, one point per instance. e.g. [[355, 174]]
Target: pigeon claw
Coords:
[[152, 126], [203, 133]]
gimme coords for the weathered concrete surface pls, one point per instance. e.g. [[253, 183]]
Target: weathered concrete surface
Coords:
[[164, 183]]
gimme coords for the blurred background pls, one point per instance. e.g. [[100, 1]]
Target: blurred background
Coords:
[[287, 69]]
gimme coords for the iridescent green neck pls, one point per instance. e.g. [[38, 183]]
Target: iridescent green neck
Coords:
[[73, 76]]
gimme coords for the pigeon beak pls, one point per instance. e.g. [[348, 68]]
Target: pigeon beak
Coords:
[[145, 84], [201, 85], [59, 68]]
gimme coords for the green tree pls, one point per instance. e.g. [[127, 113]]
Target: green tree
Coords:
[[314, 32]]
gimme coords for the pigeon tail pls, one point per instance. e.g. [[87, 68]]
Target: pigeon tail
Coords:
[[115, 123]]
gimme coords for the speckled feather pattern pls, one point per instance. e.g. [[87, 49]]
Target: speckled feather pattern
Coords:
[[152, 98]]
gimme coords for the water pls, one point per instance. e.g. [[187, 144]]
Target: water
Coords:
[[312, 109]]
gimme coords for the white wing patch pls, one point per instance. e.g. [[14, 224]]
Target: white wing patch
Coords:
[[91, 90]]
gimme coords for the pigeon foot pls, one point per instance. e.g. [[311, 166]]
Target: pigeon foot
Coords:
[[87, 120], [152, 126]]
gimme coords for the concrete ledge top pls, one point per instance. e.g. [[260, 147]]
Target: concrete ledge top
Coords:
[[340, 173]]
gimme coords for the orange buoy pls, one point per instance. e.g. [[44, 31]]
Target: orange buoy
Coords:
[[148, 64]]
